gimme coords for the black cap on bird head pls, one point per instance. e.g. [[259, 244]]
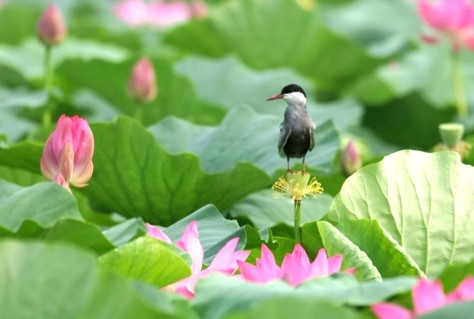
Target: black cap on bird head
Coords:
[[290, 88]]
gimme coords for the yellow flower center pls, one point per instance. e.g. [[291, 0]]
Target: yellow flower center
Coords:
[[297, 186]]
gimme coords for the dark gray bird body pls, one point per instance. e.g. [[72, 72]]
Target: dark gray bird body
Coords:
[[297, 129]]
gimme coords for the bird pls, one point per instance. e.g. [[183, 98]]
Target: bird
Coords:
[[297, 129]]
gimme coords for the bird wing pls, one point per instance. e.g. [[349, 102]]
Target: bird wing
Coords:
[[284, 134], [312, 137]]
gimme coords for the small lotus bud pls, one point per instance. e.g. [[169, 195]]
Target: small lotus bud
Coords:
[[350, 159], [51, 29], [142, 84], [198, 9], [67, 154], [451, 133]]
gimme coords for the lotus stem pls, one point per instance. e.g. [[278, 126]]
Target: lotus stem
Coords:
[[297, 221], [48, 73], [139, 112], [458, 85]]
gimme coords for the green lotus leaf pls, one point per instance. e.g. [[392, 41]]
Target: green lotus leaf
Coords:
[[423, 200]]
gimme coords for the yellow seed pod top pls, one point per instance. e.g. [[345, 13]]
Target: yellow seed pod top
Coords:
[[297, 186]]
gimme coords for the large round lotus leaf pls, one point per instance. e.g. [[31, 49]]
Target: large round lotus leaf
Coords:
[[425, 201]]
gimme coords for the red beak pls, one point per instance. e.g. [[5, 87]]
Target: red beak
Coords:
[[275, 97]]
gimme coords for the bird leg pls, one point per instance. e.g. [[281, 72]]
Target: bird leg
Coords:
[[303, 162], [288, 170]]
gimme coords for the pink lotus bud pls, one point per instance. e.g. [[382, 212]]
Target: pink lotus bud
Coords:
[[350, 159], [198, 9], [51, 28], [142, 84], [67, 154]]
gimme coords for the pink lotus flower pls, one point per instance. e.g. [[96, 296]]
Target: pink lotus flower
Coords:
[[224, 262], [51, 29], [295, 268], [157, 233], [142, 83], [158, 13], [132, 12], [452, 18], [426, 296], [168, 13], [464, 291], [264, 270], [67, 154]]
